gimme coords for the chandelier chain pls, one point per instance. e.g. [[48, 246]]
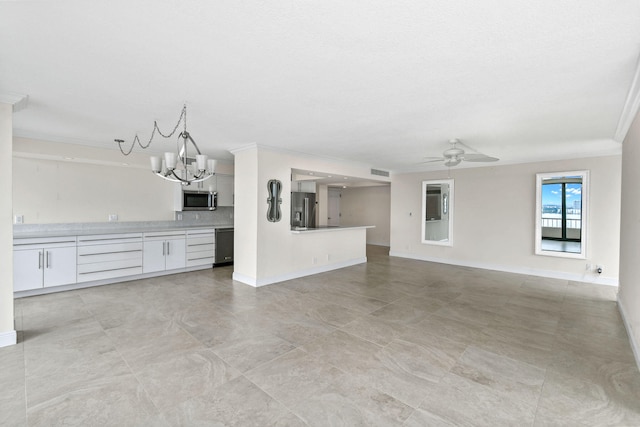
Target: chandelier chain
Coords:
[[136, 139]]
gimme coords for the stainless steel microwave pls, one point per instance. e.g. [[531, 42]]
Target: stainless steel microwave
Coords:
[[199, 200]]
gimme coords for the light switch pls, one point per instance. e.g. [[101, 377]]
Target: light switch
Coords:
[[113, 217]]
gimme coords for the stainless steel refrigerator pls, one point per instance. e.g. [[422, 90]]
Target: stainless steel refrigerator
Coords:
[[303, 210]]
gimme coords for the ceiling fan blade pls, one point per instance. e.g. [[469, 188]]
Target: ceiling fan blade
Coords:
[[473, 157], [432, 159]]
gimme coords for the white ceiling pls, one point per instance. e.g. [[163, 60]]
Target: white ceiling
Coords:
[[380, 82]]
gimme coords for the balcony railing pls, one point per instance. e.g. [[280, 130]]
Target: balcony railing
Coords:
[[557, 223]]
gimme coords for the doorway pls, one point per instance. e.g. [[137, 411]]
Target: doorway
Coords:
[[333, 207]]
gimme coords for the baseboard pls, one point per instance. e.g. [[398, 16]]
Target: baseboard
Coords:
[[378, 243], [8, 338], [252, 281], [599, 280], [630, 334]]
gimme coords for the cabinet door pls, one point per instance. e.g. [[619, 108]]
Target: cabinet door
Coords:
[[225, 190], [60, 266], [176, 254], [27, 269], [153, 256]]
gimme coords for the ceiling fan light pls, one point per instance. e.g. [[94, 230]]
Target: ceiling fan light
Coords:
[[452, 162]]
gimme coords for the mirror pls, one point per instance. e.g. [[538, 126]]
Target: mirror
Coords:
[[561, 213], [437, 212], [273, 211]]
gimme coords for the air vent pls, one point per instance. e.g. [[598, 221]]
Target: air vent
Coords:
[[379, 172]]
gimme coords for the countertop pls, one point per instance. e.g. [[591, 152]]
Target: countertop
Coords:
[[328, 228], [30, 231]]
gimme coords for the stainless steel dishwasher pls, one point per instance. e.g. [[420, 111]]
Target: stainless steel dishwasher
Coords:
[[224, 246]]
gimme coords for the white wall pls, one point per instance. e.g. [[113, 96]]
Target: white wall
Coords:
[[95, 183], [494, 219], [279, 254], [629, 290], [7, 329], [368, 206]]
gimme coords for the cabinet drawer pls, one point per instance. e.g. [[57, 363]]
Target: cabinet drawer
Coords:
[[109, 274], [104, 239], [109, 256], [200, 231], [207, 260], [201, 247], [90, 252], [109, 269], [201, 240], [199, 255], [163, 235], [44, 242]]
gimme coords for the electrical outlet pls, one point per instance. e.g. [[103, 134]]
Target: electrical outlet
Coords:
[[314, 260], [113, 217], [179, 217], [588, 268], [18, 219]]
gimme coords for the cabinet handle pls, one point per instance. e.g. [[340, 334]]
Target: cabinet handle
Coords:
[[168, 248], [164, 248], [39, 260], [48, 262]]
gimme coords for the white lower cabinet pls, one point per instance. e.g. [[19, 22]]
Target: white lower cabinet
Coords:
[[84, 260], [200, 247], [107, 256], [164, 251], [46, 262]]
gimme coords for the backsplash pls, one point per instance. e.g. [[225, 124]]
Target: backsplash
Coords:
[[222, 216]]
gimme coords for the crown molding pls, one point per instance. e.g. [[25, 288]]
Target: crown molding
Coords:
[[17, 100], [631, 106]]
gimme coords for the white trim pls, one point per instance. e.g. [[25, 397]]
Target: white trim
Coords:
[[630, 334], [630, 109], [540, 177], [17, 100], [450, 211], [599, 280], [256, 283], [8, 338]]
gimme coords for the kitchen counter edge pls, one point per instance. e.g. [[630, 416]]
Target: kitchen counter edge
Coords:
[[112, 230]]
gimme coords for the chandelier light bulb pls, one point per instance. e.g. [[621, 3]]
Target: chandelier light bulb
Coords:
[[201, 160], [156, 164], [170, 159], [211, 165]]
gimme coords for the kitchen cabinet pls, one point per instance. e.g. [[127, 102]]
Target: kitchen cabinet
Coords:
[[39, 263], [224, 187], [200, 247], [108, 256], [163, 251]]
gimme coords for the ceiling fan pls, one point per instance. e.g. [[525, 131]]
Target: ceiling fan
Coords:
[[454, 155]]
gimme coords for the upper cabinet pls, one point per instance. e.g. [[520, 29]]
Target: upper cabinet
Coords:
[[224, 187]]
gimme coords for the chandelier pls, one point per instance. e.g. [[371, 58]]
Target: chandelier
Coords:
[[178, 166]]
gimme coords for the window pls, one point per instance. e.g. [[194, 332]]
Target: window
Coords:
[[561, 210]]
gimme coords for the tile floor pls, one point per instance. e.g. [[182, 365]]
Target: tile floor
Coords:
[[392, 342]]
